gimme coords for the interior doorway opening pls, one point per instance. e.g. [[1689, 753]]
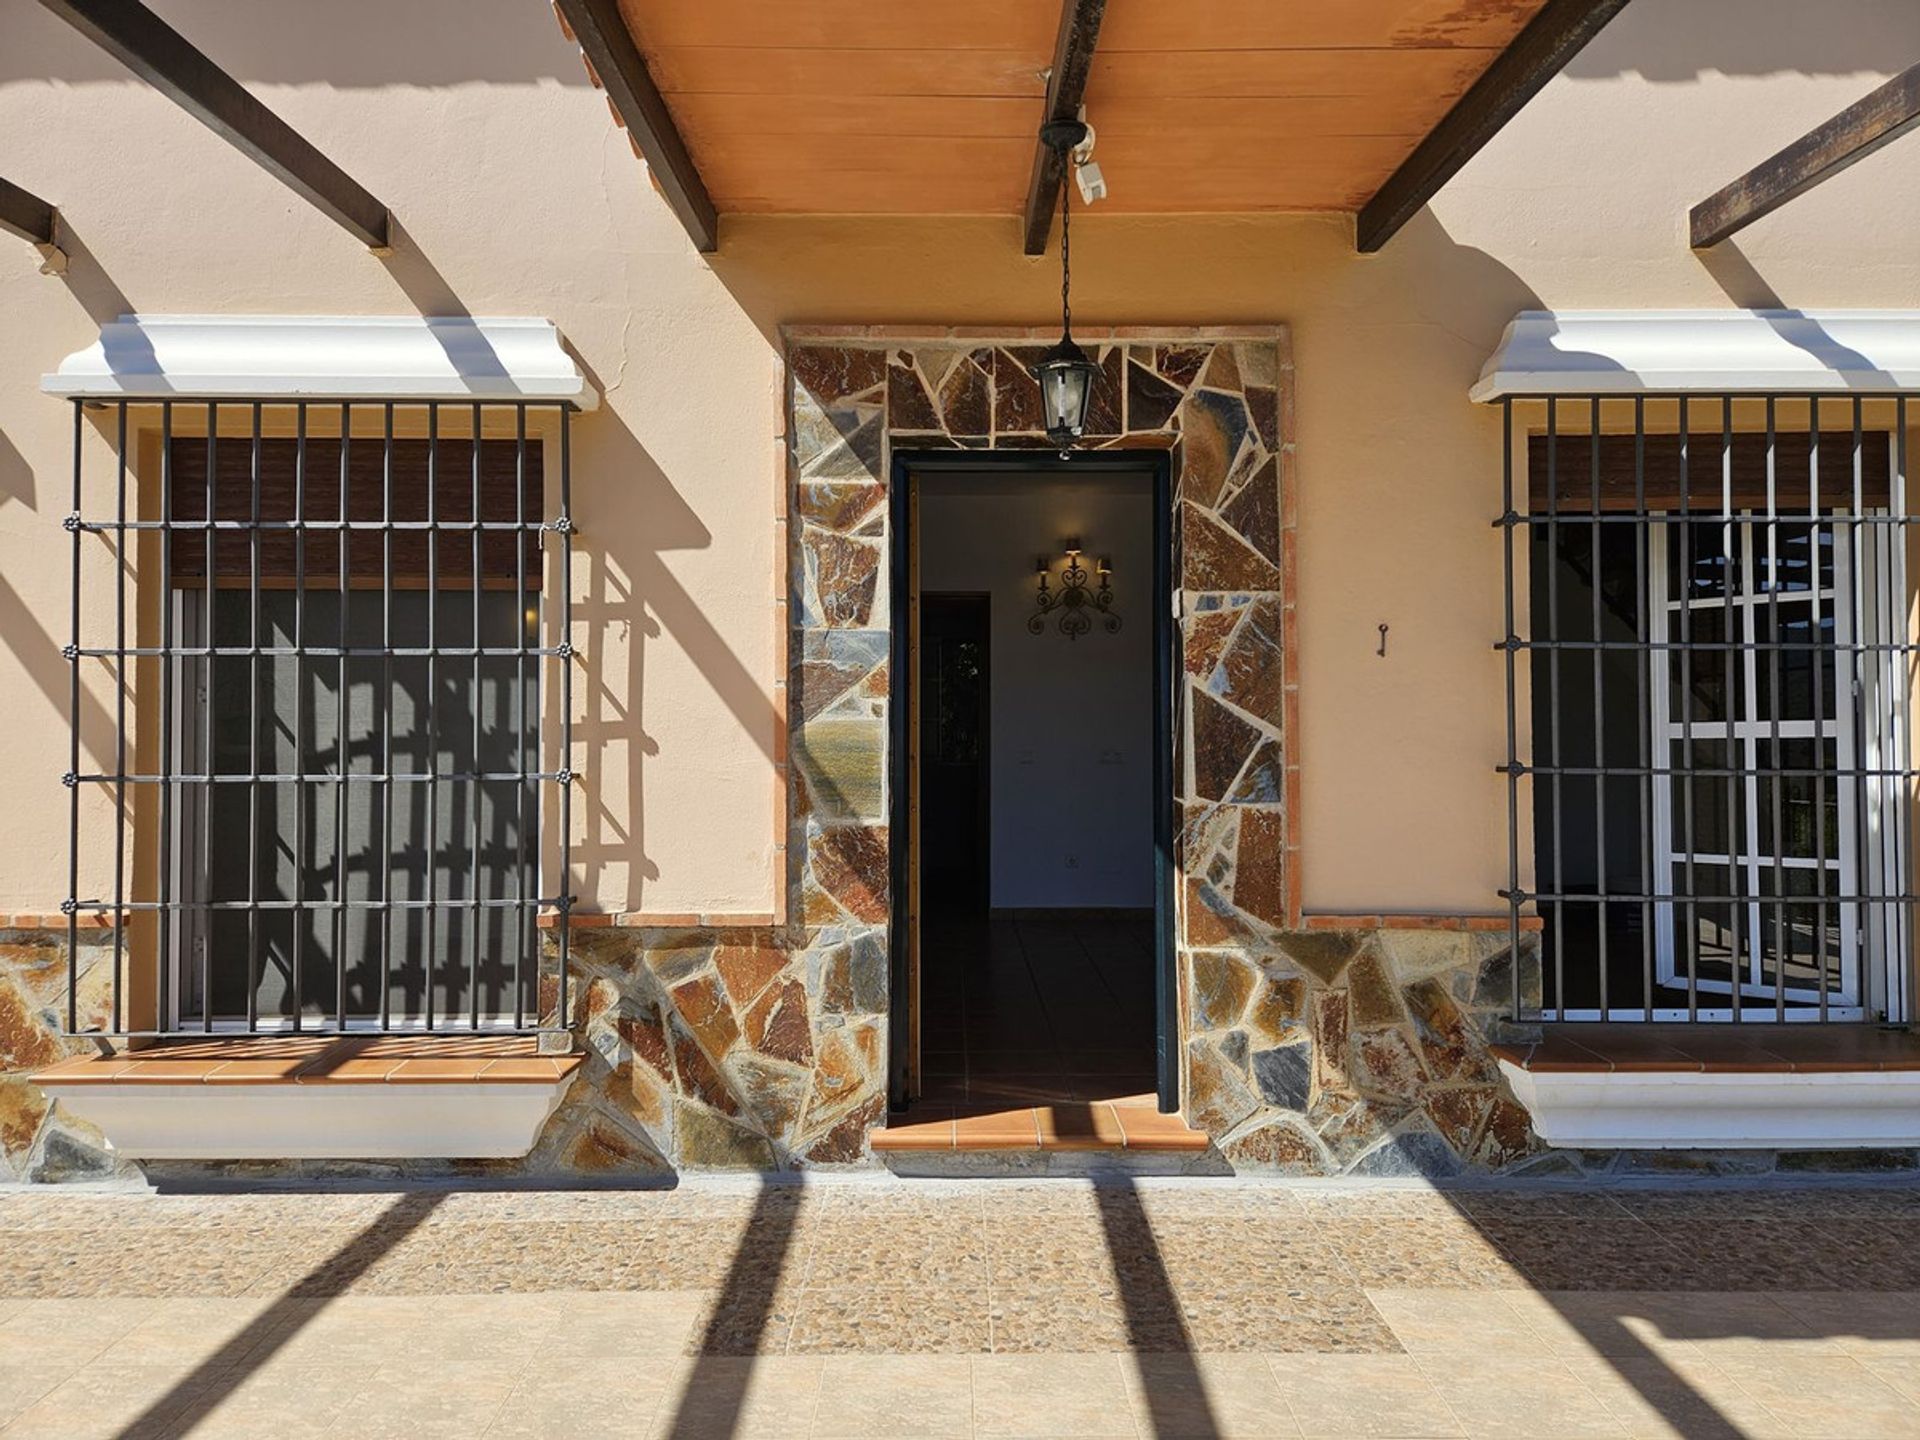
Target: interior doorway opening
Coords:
[[1031, 777]]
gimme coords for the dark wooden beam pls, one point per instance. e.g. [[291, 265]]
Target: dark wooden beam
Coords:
[[1848, 138], [25, 214], [603, 37], [1066, 88], [1554, 36], [161, 56]]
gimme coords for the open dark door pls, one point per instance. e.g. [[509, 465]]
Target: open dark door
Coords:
[[939, 743]]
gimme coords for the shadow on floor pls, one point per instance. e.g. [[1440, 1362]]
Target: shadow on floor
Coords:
[[223, 1372], [715, 1395], [1170, 1378]]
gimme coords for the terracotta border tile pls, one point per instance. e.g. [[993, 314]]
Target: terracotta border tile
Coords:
[[922, 1135], [1000, 1130]]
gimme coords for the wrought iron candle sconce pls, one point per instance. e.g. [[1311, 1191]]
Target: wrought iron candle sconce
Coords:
[[1074, 602]]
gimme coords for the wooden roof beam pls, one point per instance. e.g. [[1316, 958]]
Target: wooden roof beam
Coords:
[[25, 214], [1848, 138], [162, 57], [617, 66], [1553, 37], [1066, 89]]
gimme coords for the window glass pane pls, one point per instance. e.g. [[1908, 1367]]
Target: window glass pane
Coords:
[[1706, 927], [1806, 669], [1702, 829], [1702, 672], [316, 843], [1703, 557], [1801, 940], [1805, 800], [1786, 554]]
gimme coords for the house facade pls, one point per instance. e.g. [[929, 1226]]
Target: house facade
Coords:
[[514, 698]]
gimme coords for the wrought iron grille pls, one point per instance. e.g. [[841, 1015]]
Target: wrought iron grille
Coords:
[[1709, 642], [332, 814]]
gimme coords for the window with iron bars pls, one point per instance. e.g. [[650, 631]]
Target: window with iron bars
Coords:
[[332, 790], [1708, 658]]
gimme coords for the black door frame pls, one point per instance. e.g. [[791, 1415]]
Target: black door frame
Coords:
[[1158, 465]]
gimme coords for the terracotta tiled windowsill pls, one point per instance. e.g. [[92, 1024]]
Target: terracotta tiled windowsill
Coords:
[[321, 1060], [1752, 1049], [1102, 1125]]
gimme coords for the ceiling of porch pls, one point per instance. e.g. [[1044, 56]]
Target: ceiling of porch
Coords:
[[931, 107]]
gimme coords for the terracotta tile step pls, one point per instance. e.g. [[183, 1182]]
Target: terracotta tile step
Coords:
[[322, 1060], [1748, 1048], [1107, 1125]]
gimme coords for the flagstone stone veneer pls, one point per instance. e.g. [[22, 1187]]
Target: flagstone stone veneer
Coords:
[[1309, 1046]]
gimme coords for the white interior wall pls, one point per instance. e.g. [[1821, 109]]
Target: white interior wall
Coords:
[[1072, 720]]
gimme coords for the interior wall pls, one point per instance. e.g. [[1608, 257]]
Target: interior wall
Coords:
[[1071, 757]]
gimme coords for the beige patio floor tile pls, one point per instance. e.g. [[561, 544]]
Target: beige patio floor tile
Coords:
[[1047, 1395], [1676, 1395], [112, 1402], [1901, 1372], [290, 1401], [1441, 1320], [1233, 1397], [895, 1396], [215, 1333], [22, 1384], [413, 1401], [626, 1323], [600, 1398], [1362, 1395], [1826, 1396], [1870, 1324], [1533, 1396], [740, 1397], [69, 1333]]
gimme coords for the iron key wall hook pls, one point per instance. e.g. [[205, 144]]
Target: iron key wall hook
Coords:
[[1382, 651]]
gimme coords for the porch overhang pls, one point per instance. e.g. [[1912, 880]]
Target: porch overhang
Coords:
[[820, 107], [1717, 352], [324, 357]]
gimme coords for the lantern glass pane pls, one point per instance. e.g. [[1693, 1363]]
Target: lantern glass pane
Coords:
[[1066, 398]]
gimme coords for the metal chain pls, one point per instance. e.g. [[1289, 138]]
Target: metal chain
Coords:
[[1066, 246]]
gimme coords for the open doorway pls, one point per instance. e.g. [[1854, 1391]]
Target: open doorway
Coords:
[[1032, 780]]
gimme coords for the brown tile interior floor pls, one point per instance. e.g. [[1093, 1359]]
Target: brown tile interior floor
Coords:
[[1030, 1007], [870, 1306]]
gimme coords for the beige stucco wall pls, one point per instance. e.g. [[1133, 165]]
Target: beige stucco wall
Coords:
[[517, 196]]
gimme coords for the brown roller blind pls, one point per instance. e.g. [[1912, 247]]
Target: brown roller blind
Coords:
[[1572, 466], [366, 501]]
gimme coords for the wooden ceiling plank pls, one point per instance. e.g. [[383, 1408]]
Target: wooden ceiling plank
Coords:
[[1443, 75], [1073, 49], [1892, 110], [842, 25], [704, 117], [602, 34], [25, 214], [166, 60], [832, 73], [1554, 36], [1357, 24]]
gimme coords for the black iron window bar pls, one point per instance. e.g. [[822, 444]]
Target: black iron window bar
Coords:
[[384, 515], [1769, 719]]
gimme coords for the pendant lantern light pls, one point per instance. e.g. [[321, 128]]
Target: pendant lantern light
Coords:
[[1065, 372]]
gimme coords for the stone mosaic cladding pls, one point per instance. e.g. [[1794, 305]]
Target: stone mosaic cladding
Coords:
[[1307, 1050]]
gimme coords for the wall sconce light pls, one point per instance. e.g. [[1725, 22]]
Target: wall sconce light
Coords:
[[1074, 602]]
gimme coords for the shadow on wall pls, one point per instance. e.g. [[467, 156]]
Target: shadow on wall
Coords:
[[1679, 41], [325, 44]]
